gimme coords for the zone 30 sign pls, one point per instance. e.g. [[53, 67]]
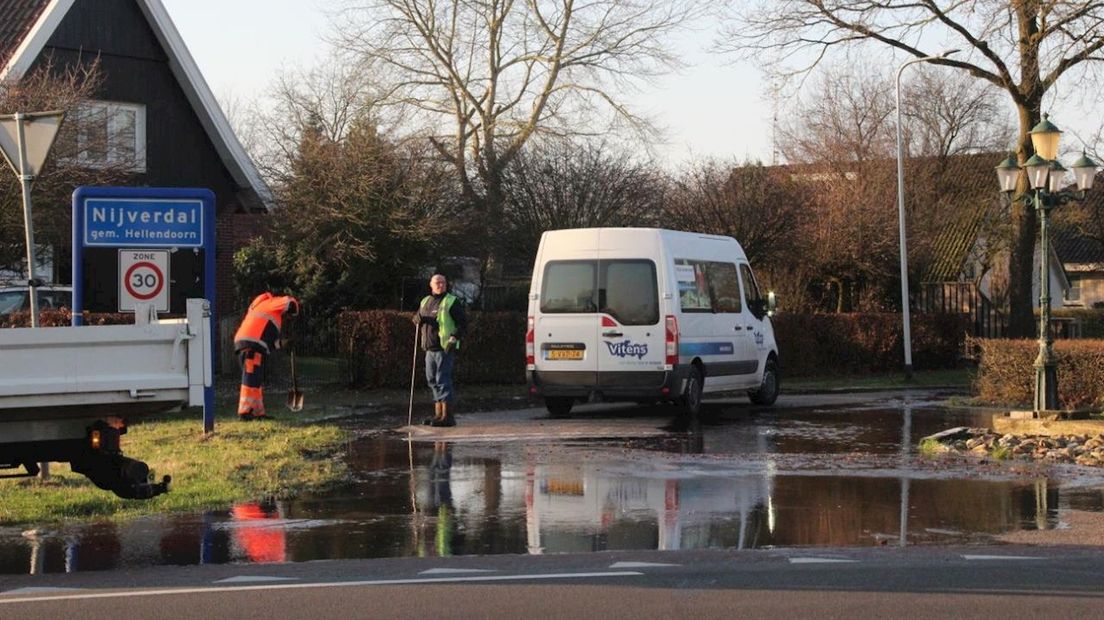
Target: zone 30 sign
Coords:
[[143, 277]]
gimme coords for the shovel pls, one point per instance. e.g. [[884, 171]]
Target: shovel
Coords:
[[294, 396]]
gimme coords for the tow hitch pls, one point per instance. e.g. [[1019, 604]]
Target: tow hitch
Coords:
[[104, 464]]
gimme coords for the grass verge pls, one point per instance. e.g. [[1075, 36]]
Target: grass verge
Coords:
[[240, 461], [958, 377]]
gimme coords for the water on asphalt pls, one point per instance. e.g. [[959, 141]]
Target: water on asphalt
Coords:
[[783, 478]]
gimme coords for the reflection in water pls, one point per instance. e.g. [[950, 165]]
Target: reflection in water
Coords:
[[259, 532], [442, 499]]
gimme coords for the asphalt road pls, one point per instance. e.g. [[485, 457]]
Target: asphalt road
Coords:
[[961, 582]]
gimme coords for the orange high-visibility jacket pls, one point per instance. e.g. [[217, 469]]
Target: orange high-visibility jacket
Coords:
[[262, 323]]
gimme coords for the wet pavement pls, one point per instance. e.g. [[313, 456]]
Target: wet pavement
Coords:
[[508, 482]]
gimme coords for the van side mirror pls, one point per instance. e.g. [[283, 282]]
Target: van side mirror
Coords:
[[772, 303]]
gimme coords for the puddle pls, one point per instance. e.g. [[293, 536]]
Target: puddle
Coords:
[[781, 479]]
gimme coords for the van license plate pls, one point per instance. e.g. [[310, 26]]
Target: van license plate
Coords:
[[565, 354]]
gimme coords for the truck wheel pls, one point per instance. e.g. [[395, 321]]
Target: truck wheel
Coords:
[[692, 397], [770, 387], [559, 406]]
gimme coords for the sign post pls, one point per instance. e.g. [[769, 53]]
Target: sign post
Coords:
[[140, 245], [25, 140]]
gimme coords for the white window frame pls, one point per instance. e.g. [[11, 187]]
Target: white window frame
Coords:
[[111, 110], [1073, 293]]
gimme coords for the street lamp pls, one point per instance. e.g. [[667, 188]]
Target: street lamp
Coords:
[[906, 328], [1045, 176]]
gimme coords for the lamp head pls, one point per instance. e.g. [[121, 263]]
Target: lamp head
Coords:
[[1084, 172], [1008, 171], [1045, 137], [1057, 177], [1037, 170]]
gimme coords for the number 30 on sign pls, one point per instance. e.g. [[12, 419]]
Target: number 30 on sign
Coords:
[[143, 278]]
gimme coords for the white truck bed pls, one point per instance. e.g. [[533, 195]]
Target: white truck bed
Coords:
[[57, 383]]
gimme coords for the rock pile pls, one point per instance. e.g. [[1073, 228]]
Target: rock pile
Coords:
[[1078, 449]]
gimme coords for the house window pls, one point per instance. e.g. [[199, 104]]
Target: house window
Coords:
[[103, 134], [1073, 294]]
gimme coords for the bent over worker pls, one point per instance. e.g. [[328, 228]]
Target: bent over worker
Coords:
[[258, 336], [441, 325]]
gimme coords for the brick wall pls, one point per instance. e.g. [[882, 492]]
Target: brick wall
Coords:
[[233, 231]]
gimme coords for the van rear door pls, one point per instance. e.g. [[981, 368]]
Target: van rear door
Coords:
[[631, 338], [565, 338]]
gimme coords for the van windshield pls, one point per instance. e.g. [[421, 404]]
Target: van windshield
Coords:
[[627, 290]]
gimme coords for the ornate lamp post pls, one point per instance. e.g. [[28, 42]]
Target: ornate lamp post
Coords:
[[1045, 176]]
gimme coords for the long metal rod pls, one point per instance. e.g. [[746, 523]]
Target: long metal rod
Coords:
[[905, 318], [28, 223]]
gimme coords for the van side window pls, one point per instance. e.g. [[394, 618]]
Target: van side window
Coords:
[[693, 286], [751, 288], [569, 286], [725, 286], [627, 291], [707, 286]]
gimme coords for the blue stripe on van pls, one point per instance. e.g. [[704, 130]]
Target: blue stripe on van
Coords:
[[706, 348]]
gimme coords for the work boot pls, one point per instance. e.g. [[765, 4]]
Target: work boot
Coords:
[[436, 415], [445, 418]]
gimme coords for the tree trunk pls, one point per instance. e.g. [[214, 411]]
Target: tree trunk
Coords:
[[1022, 244]]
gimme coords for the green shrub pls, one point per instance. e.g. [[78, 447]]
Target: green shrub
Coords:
[[1006, 374], [376, 343], [378, 346], [1092, 320], [63, 318], [858, 343]]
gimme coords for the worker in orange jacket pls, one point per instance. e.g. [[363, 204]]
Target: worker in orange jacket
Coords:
[[258, 335]]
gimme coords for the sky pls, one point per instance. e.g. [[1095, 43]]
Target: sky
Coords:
[[706, 109], [715, 107]]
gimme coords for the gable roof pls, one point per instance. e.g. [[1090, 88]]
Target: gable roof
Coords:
[[26, 26], [17, 18], [1074, 248]]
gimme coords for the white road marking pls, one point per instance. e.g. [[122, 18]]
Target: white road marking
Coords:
[[820, 561], [254, 579], [37, 590], [456, 571], [297, 586], [639, 564], [1000, 557]]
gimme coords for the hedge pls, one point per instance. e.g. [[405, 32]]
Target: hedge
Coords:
[[1006, 373], [1091, 319], [376, 345], [63, 318], [860, 343]]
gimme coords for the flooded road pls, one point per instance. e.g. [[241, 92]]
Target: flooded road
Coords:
[[797, 477]]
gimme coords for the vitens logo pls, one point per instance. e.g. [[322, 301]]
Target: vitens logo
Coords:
[[627, 349]]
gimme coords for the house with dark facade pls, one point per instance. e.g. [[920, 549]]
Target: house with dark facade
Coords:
[[153, 105]]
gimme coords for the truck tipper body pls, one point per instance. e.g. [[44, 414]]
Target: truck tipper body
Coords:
[[67, 394]]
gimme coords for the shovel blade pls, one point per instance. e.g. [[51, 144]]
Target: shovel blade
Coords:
[[295, 400]]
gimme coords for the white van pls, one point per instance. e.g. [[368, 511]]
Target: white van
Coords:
[[643, 314]]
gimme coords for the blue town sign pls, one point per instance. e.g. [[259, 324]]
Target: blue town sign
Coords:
[[127, 222]]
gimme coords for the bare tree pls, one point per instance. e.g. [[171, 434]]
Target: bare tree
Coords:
[[765, 208], [491, 74], [1023, 47], [566, 184], [64, 88], [359, 208], [948, 114]]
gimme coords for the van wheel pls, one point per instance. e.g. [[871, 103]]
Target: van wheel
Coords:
[[692, 398], [770, 387], [559, 406]]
